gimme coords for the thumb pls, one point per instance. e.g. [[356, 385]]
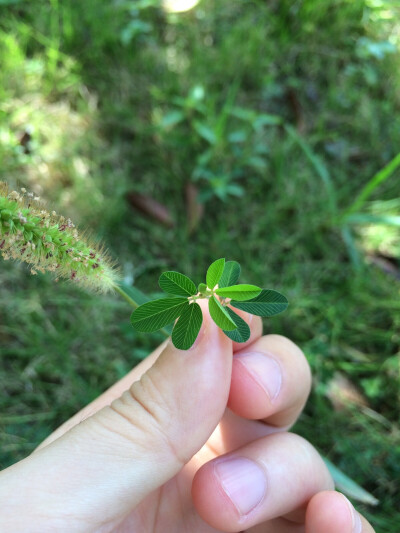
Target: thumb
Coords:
[[108, 463]]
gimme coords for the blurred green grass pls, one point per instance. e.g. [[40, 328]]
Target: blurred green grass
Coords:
[[98, 99]]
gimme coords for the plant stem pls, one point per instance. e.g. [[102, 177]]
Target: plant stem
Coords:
[[134, 304], [126, 296]]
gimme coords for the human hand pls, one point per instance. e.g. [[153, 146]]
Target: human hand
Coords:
[[168, 456]]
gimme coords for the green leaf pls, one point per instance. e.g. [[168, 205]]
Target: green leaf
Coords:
[[352, 249], [239, 293], [238, 136], [267, 303], [202, 288], [242, 333], [230, 275], [214, 272], [220, 315], [267, 120], [188, 326], [257, 163], [171, 119], [176, 283], [204, 131], [248, 115], [234, 190], [154, 315]]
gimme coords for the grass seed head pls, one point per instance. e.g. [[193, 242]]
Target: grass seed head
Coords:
[[50, 242]]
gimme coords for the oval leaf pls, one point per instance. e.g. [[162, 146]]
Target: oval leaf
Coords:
[[220, 315], [230, 274], [204, 131], [214, 272], [154, 315], [177, 283], [239, 293], [188, 326], [242, 333], [202, 287], [267, 303]]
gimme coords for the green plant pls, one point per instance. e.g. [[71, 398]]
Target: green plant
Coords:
[[137, 26], [222, 292], [50, 242], [359, 213], [228, 142]]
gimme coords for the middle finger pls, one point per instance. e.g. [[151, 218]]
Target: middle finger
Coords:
[[271, 381]]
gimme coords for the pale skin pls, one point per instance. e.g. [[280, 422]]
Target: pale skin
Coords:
[[188, 442]]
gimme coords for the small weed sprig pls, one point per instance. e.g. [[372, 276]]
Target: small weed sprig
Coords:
[[221, 291], [50, 242]]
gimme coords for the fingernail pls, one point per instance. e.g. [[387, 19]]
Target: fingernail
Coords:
[[357, 525], [243, 481], [355, 518], [265, 370]]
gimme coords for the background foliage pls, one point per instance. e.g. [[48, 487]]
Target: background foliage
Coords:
[[272, 118]]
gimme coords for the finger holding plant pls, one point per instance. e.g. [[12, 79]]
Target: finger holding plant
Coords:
[[222, 292]]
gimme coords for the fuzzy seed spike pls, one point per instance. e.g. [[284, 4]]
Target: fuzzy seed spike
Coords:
[[51, 242]]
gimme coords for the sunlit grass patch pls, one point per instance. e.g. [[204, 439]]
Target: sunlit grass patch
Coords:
[[46, 143]]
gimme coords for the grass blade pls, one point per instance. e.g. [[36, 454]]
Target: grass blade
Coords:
[[365, 218], [348, 486], [351, 247], [319, 168], [373, 183], [138, 297]]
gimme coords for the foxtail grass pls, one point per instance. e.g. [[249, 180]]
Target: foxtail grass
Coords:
[[49, 242]]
